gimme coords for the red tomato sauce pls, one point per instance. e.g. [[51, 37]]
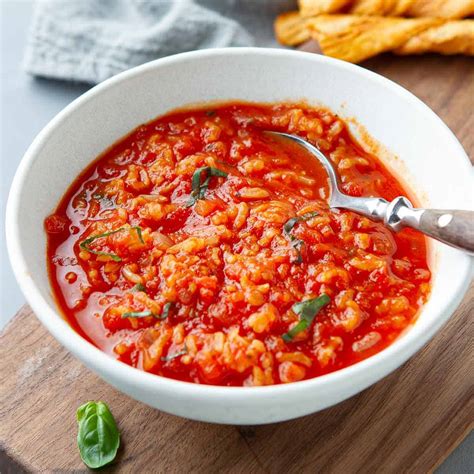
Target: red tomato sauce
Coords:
[[202, 249]]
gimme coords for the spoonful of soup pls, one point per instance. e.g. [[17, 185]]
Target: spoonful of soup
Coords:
[[453, 227]]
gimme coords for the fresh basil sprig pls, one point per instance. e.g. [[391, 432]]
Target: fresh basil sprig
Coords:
[[306, 310], [199, 188], [85, 243], [295, 242], [98, 437]]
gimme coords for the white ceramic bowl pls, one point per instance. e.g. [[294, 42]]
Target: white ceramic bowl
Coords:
[[431, 157]]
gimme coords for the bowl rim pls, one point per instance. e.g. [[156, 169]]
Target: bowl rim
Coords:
[[100, 362]]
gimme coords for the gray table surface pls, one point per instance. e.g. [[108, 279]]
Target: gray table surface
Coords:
[[26, 105]]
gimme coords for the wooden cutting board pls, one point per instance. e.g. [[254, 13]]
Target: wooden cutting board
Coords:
[[408, 422]]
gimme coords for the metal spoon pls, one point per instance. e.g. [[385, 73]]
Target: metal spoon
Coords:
[[455, 228]]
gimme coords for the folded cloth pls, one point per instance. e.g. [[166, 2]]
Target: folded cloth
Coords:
[[91, 40]]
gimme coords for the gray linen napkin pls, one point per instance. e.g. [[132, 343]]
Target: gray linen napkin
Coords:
[[91, 40]]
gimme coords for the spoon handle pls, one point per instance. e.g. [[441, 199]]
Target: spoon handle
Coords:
[[455, 228]]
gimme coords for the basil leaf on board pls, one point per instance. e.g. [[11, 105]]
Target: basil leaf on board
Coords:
[[98, 437], [306, 310], [84, 245], [296, 243], [199, 188]]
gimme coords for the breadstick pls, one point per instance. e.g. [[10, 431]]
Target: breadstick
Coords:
[[292, 29], [442, 8], [453, 37], [381, 7], [316, 7], [354, 38], [410, 8]]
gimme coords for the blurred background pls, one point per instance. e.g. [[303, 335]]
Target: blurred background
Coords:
[[29, 101]]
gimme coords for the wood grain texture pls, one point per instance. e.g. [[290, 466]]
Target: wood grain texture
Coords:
[[457, 228], [408, 422]]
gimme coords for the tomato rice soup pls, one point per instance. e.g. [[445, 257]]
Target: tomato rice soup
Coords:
[[203, 249]]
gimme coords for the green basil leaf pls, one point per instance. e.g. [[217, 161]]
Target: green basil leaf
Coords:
[[139, 287], [288, 227], [166, 310], [147, 313], [306, 310], [308, 215], [290, 223], [85, 243], [139, 232], [98, 437], [198, 186], [138, 314], [218, 172], [300, 327], [176, 354], [297, 244]]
